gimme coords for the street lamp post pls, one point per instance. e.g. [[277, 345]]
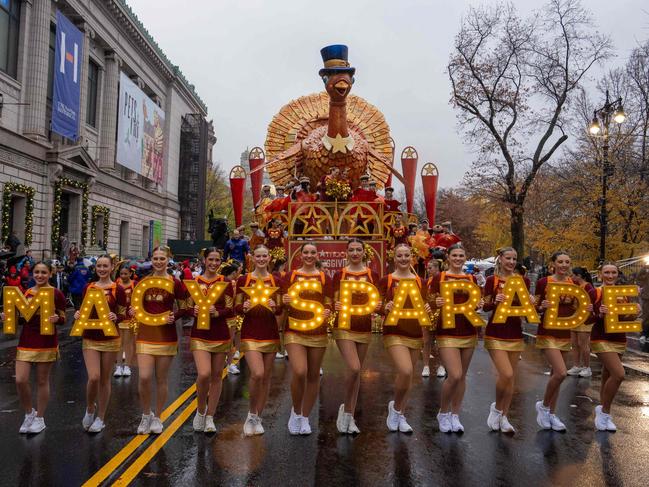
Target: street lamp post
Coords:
[[601, 121]]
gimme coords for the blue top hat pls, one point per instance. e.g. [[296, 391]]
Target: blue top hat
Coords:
[[335, 60]]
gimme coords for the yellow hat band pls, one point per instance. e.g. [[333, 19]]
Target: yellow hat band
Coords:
[[336, 63]]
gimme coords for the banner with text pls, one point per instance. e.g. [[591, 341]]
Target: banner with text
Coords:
[[140, 131], [332, 255], [68, 59]]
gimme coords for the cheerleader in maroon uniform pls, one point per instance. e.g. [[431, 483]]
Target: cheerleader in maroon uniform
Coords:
[[127, 352], [403, 341], [210, 347], [259, 336], [554, 343], [353, 343], [580, 336], [456, 345], [609, 348], [38, 350], [503, 341], [156, 346], [99, 350], [306, 348]]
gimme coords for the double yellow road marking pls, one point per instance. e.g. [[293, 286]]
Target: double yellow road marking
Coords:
[[147, 455]]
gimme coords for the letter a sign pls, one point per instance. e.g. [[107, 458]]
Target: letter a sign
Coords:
[[67, 78]]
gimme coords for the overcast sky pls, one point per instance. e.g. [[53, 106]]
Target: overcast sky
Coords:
[[248, 58]]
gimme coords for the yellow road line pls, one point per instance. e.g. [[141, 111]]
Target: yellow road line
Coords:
[[103, 473]]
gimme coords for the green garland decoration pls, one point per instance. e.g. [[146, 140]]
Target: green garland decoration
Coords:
[[9, 190], [96, 211], [56, 213]]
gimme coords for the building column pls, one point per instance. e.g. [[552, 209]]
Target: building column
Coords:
[[35, 125], [109, 101]]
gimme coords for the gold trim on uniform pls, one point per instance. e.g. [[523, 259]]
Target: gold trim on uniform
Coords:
[[393, 340], [517, 345], [583, 328], [543, 342], [315, 341], [124, 325], [263, 346], [457, 342], [162, 349], [606, 346], [102, 346], [354, 336], [207, 346], [37, 355]]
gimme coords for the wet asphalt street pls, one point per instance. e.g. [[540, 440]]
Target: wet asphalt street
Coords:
[[65, 455]]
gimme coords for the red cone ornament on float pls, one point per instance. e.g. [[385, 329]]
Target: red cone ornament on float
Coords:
[[237, 187], [429, 178], [256, 159], [409, 158]]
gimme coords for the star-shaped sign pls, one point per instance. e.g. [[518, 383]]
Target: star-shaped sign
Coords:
[[312, 219], [358, 221], [338, 143], [259, 293]]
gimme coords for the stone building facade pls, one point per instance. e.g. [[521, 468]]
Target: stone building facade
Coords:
[[53, 186]]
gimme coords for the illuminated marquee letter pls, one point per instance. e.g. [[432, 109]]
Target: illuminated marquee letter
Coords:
[[408, 288], [610, 295], [205, 300], [515, 287], [306, 305], [259, 294], [95, 299], [137, 300], [467, 308], [553, 293], [347, 289], [14, 300]]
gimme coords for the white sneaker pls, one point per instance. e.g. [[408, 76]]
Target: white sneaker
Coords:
[[556, 423], [506, 426], [118, 371], [342, 421], [145, 425], [444, 420], [392, 421], [643, 339], [543, 416], [352, 428], [404, 427], [610, 425], [96, 426], [233, 369], [305, 427], [600, 419], [126, 371], [199, 421], [259, 429], [456, 425], [441, 371], [156, 425], [87, 420], [236, 355], [493, 421], [279, 355], [249, 425], [29, 418], [294, 423], [210, 427], [426, 371], [586, 372], [574, 370], [321, 371], [38, 425]]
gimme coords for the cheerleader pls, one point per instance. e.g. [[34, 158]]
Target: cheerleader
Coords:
[[259, 336], [156, 346], [609, 348], [554, 343], [354, 342], [231, 270], [210, 347], [433, 268], [503, 341], [127, 351], [99, 350], [403, 341], [580, 336], [279, 269], [306, 349], [456, 345], [38, 350]]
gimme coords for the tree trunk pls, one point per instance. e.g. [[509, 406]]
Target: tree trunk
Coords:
[[518, 230]]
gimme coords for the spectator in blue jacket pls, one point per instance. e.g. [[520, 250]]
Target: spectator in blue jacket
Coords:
[[77, 281], [236, 248]]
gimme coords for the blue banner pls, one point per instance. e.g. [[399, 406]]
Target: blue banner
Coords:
[[68, 57]]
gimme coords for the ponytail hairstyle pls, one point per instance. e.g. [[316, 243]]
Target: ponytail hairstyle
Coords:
[[499, 253], [205, 252], [583, 273], [555, 256], [455, 246], [163, 248], [46, 263]]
